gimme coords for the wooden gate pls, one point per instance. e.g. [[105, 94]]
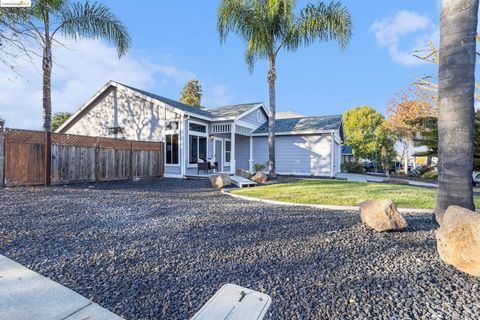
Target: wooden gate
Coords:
[[24, 158], [77, 158]]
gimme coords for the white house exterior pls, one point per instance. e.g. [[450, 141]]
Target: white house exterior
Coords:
[[234, 136]]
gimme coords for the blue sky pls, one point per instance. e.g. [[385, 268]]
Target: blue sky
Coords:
[[174, 41]]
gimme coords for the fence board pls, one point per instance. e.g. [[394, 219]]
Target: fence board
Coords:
[[76, 158]]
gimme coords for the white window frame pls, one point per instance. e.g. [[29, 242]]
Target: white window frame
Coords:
[[225, 163], [171, 132], [198, 134]]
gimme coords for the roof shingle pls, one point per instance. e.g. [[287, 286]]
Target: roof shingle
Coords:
[[304, 124]]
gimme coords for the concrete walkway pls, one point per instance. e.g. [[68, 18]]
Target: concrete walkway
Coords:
[[364, 177], [25, 295]]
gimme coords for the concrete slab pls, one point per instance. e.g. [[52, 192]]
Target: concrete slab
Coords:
[[94, 312], [235, 303], [25, 295]]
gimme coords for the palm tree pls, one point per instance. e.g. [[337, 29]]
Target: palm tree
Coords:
[[267, 26], [48, 18], [458, 28]]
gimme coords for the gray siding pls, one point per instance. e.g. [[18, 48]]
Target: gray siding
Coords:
[[242, 151], [296, 154], [251, 118]]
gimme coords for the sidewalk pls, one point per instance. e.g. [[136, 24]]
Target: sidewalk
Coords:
[[25, 295], [363, 178]]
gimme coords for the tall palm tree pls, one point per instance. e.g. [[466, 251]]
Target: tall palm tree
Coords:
[[47, 19], [267, 26], [456, 76]]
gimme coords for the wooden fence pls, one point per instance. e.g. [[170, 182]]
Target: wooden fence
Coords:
[[74, 158]]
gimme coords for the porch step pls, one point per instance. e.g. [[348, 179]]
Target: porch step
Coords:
[[242, 182]]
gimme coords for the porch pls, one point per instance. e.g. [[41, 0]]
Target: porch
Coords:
[[226, 147]]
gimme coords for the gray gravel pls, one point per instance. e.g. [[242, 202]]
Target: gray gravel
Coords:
[[161, 248]]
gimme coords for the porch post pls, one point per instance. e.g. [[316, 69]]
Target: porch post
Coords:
[[250, 159], [232, 152], [183, 146]]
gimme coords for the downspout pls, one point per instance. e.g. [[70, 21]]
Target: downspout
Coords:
[[183, 133], [332, 155], [115, 112]]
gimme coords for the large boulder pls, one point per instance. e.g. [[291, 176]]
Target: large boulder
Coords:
[[243, 173], [259, 177], [458, 239], [220, 180], [382, 215]]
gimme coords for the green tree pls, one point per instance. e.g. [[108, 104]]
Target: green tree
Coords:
[[456, 90], [267, 26], [364, 131], [59, 118], [48, 18], [192, 94]]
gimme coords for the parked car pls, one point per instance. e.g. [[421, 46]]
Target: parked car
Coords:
[[476, 177]]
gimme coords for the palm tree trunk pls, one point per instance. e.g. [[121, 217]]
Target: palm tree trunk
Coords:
[[272, 77], [47, 77], [458, 28]]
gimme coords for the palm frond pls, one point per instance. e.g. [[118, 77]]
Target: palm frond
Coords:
[[94, 20], [321, 22]]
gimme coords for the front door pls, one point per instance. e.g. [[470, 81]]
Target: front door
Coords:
[[217, 156]]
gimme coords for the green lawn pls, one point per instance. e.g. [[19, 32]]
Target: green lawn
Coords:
[[345, 193]]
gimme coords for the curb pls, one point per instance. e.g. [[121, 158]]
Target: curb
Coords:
[[318, 206]]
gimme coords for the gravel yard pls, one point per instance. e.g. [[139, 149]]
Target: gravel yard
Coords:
[[159, 249]]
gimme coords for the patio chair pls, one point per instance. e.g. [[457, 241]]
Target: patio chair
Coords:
[[213, 167], [203, 166]]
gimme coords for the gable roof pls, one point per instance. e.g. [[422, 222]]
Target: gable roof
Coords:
[[173, 103], [229, 112], [233, 111], [304, 125]]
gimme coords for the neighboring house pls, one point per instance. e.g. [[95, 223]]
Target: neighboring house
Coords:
[[287, 114], [234, 136], [347, 154]]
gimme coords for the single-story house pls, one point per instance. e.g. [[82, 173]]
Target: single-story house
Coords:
[[234, 136], [347, 154]]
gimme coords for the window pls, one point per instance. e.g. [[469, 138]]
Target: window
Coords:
[[228, 150], [171, 148], [197, 127], [198, 149], [172, 125]]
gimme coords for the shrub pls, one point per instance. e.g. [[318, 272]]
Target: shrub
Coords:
[[352, 167], [259, 167], [425, 169], [432, 174]]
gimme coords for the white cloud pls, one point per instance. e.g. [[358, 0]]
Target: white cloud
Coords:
[[80, 69], [218, 96], [390, 30]]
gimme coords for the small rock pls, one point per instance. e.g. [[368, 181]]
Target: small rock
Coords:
[[382, 215], [458, 241]]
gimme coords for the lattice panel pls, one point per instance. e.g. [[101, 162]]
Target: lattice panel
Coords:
[[25, 136], [73, 140], [110, 143], [147, 146]]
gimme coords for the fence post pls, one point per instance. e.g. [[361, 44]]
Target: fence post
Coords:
[[48, 158], [131, 159], [2, 153], [97, 160]]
